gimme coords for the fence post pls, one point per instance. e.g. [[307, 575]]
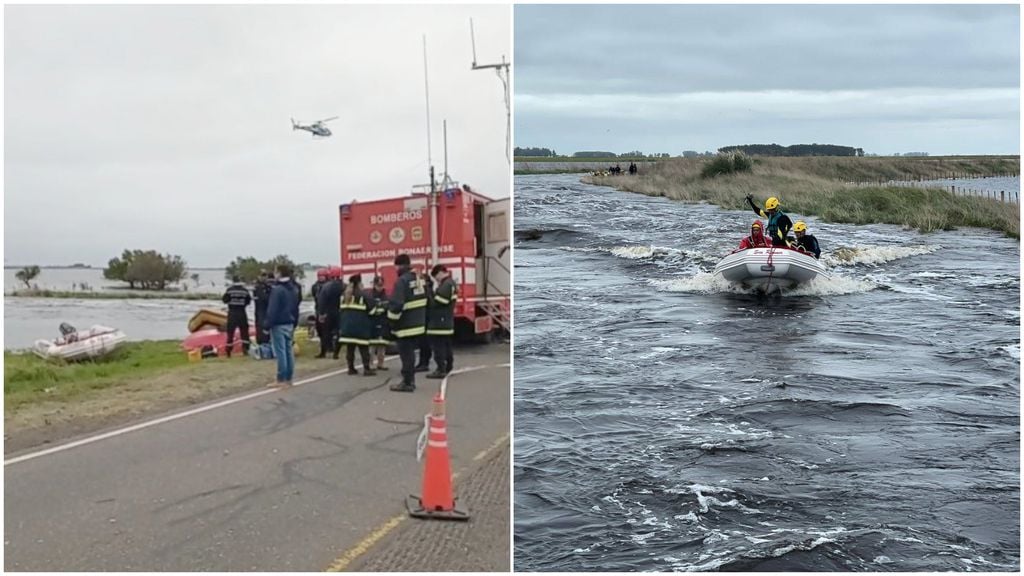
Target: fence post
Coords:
[[1002, 196]]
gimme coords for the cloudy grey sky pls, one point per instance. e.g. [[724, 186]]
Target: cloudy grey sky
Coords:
[[937, 79], [167, 127]]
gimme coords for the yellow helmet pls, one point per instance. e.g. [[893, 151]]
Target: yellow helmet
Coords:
[[771, 203], [800, 226]]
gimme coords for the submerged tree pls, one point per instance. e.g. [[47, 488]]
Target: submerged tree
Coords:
[[248, 268], [27, 275], [147, 268]]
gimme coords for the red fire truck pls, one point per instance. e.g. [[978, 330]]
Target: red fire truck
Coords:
[[448, 224]]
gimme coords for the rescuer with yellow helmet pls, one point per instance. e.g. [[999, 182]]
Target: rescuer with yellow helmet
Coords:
[[804, 241], [778, 223]]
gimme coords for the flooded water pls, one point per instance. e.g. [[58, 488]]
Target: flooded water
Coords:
[[668, 421], [29, 319], [1010, 185], [91, 279]]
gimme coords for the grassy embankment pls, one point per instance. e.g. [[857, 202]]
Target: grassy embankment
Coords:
[[46, 400], [131, 294], [524, 165], [825, 187]]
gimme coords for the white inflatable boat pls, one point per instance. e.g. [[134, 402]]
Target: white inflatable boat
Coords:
[[770, 269], [89, 344]]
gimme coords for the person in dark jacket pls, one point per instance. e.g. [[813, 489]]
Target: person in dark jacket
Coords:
[[407, 311], [378, 315], [778, 223], [356, 325], [423, 365], [282, 318], [328, 305], [260, 294], [804, 241], [237, 298], [441, 320], [321, 279]]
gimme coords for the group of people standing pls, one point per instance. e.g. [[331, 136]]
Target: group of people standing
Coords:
[[277, 315], [777, 231], [418, 315], [616, 170]]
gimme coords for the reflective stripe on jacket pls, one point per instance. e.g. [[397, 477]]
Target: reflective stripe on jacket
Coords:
[[408, 308], [441, 314], [356, 326]]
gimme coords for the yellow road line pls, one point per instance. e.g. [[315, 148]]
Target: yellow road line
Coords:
[[483, 453], [364, 545]]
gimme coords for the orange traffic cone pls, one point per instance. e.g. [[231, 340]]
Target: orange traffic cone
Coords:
[[437, 500]]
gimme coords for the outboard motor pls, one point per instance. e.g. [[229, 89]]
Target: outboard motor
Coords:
[[68, 332]]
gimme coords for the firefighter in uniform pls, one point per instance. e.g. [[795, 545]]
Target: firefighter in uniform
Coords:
[[328, 302], [441, 320], [356, 325], [407, 311], [423, 365], [381, 333], [321, 279], [237, 298]]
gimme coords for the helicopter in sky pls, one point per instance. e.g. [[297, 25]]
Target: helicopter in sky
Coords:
[[316, 128]]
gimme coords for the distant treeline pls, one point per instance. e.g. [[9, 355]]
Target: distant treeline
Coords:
[[548, 153], [794, 150], [535, 152]]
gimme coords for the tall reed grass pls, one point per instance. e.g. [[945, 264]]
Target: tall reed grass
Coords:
[[821, 186]]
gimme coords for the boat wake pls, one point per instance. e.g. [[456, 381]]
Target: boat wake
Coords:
[[645, 252], [872, 255]]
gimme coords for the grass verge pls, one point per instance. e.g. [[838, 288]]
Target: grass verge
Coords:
[[46, 401]]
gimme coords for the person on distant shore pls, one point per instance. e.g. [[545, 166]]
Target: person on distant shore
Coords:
[[381, 333], [441, 320], [282, 318], [237, 298], [633, 169], [260, 294], [407, 311], [328, 304], [756, 239], [778, 223], [804, 241], [356, 326]]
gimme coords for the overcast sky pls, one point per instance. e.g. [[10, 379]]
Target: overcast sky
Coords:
[[167, 127], [936, 79]]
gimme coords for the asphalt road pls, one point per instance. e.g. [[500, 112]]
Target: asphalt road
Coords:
[[287, 481]]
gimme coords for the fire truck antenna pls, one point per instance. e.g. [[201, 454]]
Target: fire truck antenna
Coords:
[[503, 75], [445, 124], [426, 89]]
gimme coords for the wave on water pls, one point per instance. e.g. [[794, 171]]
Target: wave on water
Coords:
[[644, 252], [533, 234], [833, 285], [1012, 350], [871, 255], [700, 283]]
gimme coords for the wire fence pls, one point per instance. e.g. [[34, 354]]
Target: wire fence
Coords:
[[957, 189]]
